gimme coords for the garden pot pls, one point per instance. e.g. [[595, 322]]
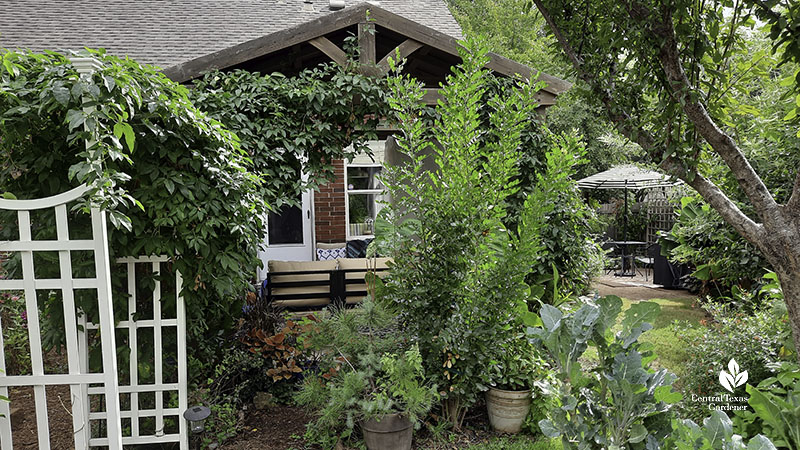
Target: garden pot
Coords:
[[392, 432], [507, 409]]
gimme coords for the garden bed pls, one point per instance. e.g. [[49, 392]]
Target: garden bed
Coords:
[[282, 427]]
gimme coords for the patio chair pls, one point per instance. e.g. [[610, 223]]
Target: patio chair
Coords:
[[613, 262], [645, 258]]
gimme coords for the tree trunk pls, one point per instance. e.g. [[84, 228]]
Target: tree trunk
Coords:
[[790, 283], [780, 244], [788, 270]]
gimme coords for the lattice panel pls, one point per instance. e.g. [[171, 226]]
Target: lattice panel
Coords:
[[154, 386], [660, 212], [65, 286]]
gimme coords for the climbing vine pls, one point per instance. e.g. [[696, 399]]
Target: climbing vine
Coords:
[[173, 179]]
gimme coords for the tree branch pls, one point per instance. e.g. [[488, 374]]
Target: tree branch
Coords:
[[751, 230], [765, 9], [620, 118], [573, 57], [745, 226], [746, 176]]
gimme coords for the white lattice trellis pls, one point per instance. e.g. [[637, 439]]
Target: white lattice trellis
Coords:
[[136, 388], [78, 378]]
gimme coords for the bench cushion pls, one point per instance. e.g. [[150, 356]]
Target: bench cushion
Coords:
[[302, 266], [360, 263]]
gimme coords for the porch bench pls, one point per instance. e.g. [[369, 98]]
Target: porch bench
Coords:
[[313, 285]]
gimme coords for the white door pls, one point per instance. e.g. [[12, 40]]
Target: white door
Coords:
[[289, 234]]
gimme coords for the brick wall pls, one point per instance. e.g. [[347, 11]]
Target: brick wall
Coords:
[[329, 208]]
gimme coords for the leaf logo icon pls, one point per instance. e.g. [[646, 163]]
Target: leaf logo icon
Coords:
[[734, 379]]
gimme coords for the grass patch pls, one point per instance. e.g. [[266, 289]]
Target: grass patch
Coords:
[[669, 350], [521, 442]]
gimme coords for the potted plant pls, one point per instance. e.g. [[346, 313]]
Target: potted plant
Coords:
[[511, 377], [370, 379]]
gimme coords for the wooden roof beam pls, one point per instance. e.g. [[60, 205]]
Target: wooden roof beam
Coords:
[[448, 44], [366, 43], [330, 49], [366, 48], [265, 45], [400, 52]]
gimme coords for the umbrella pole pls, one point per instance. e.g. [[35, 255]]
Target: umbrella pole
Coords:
[[625, 230], [625, 215]]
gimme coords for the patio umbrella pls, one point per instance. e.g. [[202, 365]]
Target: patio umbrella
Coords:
[[626, 177]]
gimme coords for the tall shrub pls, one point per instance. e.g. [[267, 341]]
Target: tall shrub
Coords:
[[568, 242], [458, 272]]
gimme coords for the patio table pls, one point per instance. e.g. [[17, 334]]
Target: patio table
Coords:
[[627, 258]]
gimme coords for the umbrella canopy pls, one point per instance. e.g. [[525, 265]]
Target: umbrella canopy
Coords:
[[626, 177]]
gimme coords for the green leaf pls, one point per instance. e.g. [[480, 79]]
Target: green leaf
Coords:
[[666, 395], [62, 95], [639, 314], [75, 118], [766, 409], [551, 317], [548, 429], [718, 428], [703, 272], [760, 442], [610, 307], [638, 433]]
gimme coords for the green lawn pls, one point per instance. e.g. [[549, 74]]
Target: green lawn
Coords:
[[669, 350]]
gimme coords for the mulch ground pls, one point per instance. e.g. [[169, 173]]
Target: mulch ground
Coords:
[[279, 427], [23, 418], [282, 427]]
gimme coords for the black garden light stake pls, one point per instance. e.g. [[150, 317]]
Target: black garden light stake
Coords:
[[196, 416]]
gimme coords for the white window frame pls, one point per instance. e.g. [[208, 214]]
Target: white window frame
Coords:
[[347, 193]]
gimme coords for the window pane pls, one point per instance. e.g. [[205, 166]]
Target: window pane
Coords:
[[363, 208], [285, 226], [363, 178]]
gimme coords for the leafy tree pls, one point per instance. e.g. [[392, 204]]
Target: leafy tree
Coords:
[[662, 71], [717, 251], [568, 243], [173, 179], [570, 256], [510, 28]]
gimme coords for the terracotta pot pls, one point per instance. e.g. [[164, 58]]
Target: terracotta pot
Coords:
[[391, 432], [507, 409]]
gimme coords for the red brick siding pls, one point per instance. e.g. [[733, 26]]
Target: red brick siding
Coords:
[[329, 208]]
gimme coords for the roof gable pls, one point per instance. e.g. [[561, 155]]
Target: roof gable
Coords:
[[166, 33], [416, 34]]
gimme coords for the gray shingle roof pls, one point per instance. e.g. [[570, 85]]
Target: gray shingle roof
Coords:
[[168, 32]]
